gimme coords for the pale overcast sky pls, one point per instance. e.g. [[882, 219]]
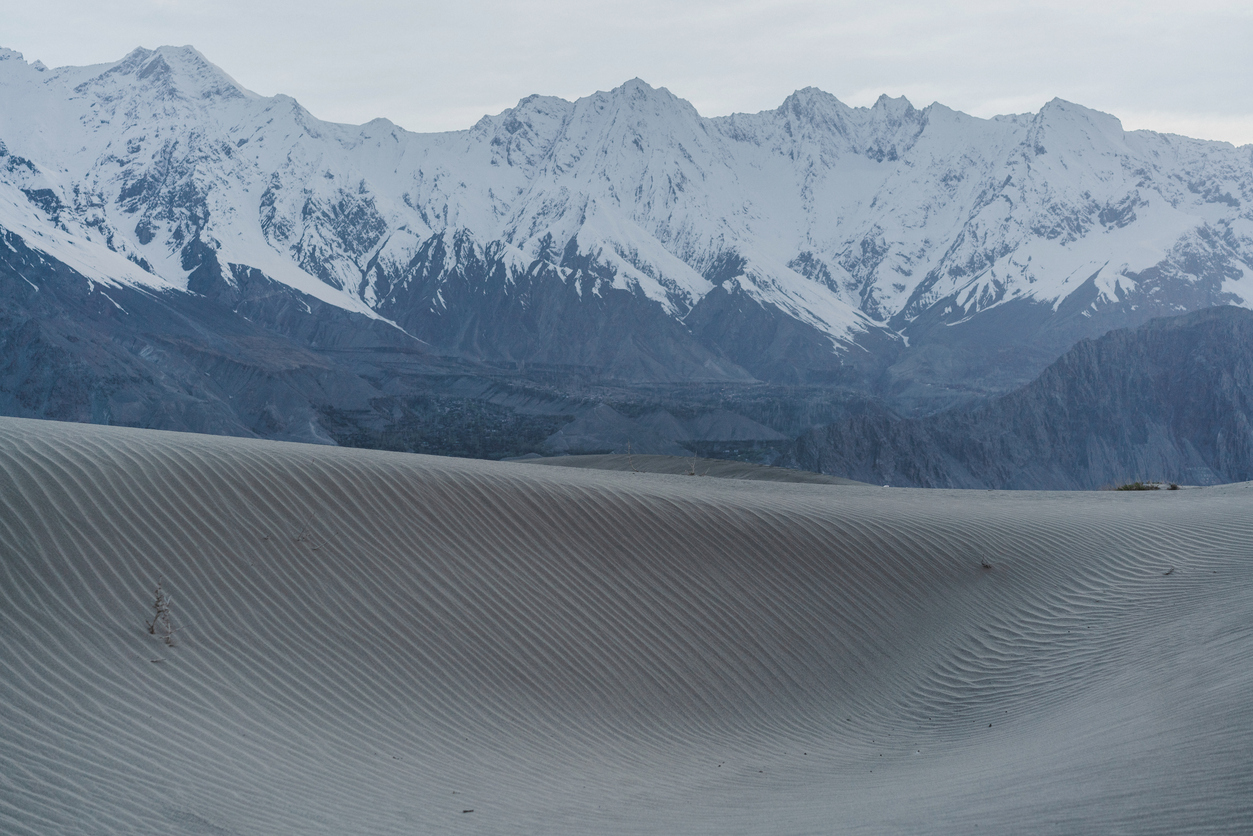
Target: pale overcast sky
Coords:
[[1170, 66]]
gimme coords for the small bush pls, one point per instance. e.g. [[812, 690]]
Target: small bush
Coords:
[[1138, 486], [162, 625]]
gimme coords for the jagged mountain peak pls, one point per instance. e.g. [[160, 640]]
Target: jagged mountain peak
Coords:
[[638, 88], [895, 106], [639, 97], [537, 104], [1058, 105], [815, 121], [812, 104], [379, 124], [522, 135], [1058, 112], [806, 96], [180, 72]]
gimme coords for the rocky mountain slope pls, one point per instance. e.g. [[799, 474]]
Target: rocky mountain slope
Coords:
[[925, 255], [1171, 400]]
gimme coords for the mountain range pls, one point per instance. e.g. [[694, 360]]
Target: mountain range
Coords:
[[229, 263], [1169, 401]]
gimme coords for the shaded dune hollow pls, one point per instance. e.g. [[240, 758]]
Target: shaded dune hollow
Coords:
[[376, 643]]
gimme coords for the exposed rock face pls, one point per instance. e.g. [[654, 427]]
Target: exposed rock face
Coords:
[[483, 305], [73, 350], [1171, 400]]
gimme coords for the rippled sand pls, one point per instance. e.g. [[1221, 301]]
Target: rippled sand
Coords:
[[373, 643]]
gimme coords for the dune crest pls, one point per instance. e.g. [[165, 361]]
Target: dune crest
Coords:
[[375, 643]]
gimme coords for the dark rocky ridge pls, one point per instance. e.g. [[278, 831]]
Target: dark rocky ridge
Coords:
[[244, 355], [247, 357], [1171, 400], [462, 299]]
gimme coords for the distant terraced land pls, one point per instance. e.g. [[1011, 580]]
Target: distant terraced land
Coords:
[[379, 643]]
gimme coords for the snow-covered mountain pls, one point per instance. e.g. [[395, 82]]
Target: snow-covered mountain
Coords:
[[626, 232]]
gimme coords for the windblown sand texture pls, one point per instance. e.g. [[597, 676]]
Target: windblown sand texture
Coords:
[[373, 643]]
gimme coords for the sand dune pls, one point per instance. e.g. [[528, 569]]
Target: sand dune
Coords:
[[374, 643]]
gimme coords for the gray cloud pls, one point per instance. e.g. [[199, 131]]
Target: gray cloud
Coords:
[[438, 66]]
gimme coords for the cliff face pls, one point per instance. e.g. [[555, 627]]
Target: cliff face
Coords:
[[1171, 400]]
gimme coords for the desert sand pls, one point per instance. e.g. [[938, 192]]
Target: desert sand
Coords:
[[376, 643]]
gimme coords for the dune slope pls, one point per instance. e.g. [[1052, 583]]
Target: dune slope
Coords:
[[374, 643]]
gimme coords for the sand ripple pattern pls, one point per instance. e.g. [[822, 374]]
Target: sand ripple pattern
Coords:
[[372, 643]]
